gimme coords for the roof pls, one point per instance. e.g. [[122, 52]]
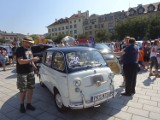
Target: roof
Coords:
[[69, 49]]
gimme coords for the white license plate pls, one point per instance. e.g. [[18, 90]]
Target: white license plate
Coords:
[[100, 96]]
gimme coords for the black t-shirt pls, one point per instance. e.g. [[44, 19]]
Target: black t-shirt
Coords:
[[25, 54]]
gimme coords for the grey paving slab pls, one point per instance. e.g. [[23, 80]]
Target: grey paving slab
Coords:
[[144, 105]]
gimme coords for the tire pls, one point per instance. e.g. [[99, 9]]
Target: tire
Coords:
[[58, 102]]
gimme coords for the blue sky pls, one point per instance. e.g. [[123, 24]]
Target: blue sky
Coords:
[[32, 16]]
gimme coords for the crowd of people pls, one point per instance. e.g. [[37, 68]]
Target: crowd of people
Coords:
[[7, 56], [143, 57], [131, 55]]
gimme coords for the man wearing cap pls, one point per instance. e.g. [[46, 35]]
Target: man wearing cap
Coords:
[[25, 73]]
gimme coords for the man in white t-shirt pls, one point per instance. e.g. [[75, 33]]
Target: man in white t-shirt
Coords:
[[153, 59]]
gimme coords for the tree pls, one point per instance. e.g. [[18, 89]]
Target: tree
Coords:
[[2, 41], [101, 36], [58, 38], [81, 36], [139, 27]]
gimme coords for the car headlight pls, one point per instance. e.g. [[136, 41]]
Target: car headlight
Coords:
[[77, 83]]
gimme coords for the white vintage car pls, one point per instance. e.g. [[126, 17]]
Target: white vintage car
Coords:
[[78, 77]]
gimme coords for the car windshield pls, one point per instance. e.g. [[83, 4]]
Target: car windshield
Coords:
[[85, 58], [102, 47]]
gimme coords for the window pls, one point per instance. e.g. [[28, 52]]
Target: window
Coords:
[[90, 27], [140, 11], [62, 28], [75, 26], [95, 26], [66, 27], [79, 20], [58, 61], [75, 31], [74, 21], [70, 26], [52, 29], [48, 59], [70, 32], [70, 22], [102, 25]]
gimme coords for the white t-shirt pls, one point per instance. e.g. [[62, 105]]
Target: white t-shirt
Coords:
[[153, 54]]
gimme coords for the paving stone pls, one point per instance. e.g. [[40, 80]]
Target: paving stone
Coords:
[[148, 102], [137, 117], [151, 108], [46, 116], [155, 99], [138, 111], [142, 96], [134, 105], [144, 105], [121, 115], [155, 116]]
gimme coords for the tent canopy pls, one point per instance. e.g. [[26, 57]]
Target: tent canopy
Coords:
[[70, 40]]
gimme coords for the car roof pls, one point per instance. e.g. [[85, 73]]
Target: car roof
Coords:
[[68, 49]]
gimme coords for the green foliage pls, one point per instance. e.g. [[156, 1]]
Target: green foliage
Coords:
[[48, 37], [34, 37], [101, 36], [58, 38], [81, 36], [2, 41], [139, 27]]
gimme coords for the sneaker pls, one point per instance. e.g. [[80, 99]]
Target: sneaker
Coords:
[[30, 107], [22, 108]]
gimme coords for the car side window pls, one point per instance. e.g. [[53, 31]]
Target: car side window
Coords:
[[58, 61], [48, 59]]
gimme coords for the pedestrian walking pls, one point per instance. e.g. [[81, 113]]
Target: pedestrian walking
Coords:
[[153, 59], [3, 58], [25, 73], [130, 65]]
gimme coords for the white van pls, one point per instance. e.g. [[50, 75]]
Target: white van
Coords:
[[78, 77]]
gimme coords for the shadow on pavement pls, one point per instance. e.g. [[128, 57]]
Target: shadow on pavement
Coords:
[[46, 109], [149, 81]]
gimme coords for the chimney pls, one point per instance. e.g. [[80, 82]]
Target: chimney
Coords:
[[55, 20]]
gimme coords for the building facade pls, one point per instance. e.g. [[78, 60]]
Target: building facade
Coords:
[[82, 23], [72, 26]]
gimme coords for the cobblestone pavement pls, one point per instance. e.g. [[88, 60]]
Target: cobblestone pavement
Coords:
[[144, 105]]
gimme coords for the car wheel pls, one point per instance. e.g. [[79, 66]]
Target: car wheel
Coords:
[[59, 102]]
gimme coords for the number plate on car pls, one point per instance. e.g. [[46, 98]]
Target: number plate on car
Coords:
[[100, 96]]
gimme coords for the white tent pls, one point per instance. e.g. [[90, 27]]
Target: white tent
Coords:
[[70, 40]]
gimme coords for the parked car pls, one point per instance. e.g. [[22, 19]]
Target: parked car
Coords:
[[78, 77], [38, 50], [109, 57]]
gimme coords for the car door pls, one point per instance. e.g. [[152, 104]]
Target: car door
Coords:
[[45, 70], [58, 77]]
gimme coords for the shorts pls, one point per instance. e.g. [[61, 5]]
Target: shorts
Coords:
[[154, 62], [146, 58], [3, 61], [25, 81]]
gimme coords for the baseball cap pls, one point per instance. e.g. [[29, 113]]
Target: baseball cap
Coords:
[[28, 39]]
